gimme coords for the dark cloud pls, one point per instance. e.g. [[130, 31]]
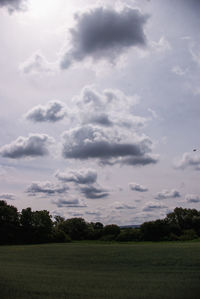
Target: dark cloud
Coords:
[[92, 142], [105, 33], [94, 192], [69, 203], [192, 198], [35, 145], [46, 188], [137, 187], [52, 112], [83, 176], [7, 196], [189, 160], [13, 5], [165, 194]]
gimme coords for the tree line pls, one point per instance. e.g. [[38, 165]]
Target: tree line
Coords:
[[32, 227]]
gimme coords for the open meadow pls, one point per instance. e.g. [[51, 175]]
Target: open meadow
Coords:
[[97, 270]]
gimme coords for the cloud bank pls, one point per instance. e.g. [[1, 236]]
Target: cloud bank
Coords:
[[105, 33]]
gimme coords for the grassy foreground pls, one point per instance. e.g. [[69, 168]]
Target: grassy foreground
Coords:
[[118, 271]]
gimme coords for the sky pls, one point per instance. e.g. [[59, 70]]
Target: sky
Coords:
[[100, 107]]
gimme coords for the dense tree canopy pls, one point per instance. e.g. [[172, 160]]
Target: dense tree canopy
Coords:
[[30, 226]]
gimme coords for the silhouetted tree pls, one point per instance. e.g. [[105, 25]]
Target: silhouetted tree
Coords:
[[9, 223], [76, 228]]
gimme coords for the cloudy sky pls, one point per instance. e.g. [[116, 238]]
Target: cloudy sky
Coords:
[[100, 107]]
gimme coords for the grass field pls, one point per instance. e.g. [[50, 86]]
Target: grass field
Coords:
[[83, 270]]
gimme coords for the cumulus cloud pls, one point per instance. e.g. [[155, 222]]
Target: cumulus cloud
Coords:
[[7, 196], [35, 145], [94, 192], [119, 108], [165, 194], [37, 63], [95, 143], [138, 187], [189, 160], [192, 198], [52, 112], [46, 188], [82, 176], [105, 33], [153, 207], [13, 5], [69, 203]]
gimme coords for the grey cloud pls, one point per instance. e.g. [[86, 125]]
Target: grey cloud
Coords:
[[105, 33], [99, 119], [137, 187], [83, 176], [46, 188], [190, 160], [37, 63], [7, 196], [52, 112], [35, 145], [92, 142], [122, 206], [165, 194], [13, 5], [94, 192], [93, 213], [152, 207], [69, 203], [192, 198], [132, 161]]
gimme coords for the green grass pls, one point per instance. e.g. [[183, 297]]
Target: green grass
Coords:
[[93, 271]]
